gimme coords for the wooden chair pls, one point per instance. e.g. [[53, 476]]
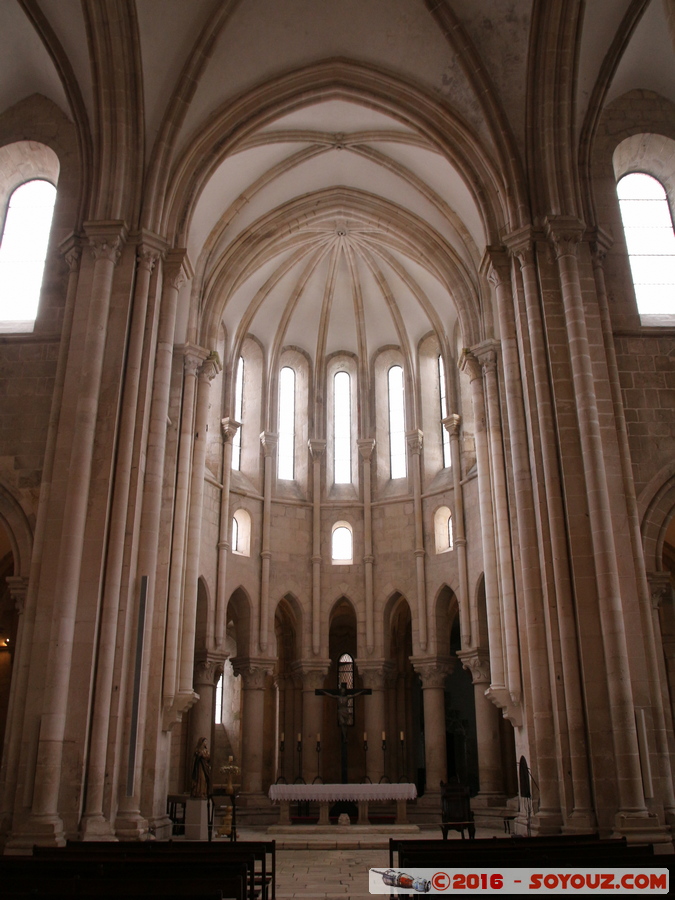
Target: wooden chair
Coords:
[[456, 812]]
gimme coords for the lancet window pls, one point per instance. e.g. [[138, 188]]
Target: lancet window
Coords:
[[397, 454], [286, 457]]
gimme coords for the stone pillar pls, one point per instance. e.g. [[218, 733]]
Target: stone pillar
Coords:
[[44, 825], [565, 234], [490, 775], [433, 674], [471, 366], [663, 612], [366, 447], [375, 675], [229, 429], [269, 442], [94, 825], [207, 671], [254, 675], [175, 706], [316, 449], [313, 678], [414, 440], [207, 372], [451, 425]]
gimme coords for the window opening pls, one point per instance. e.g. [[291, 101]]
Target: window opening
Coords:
[[238, 412], [397, 458], [342, 549], [342, 430], [286, 423], [648, 226], [445, 437], [345, 675], [24, 249], [450, 541], [235, 534], [219, 702]]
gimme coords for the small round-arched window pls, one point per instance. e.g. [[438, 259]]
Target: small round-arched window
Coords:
[[345, 675], [342, 545], [443, 529], [241, 533]]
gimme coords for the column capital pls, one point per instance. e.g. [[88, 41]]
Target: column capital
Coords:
[[229, 428], [311, 673], [486, 354], [414, 440], [469, 364], [177, 268], [18, 588], [269, 441], [432, 670], [106, 238], [496, 266], [565, 232], [147, 256], [660, 588], [477, 661], [601, 243], [193, 357], [210, 367], [208, 670], [254, 671], [451, 424], [71, 250], [366, 447], [375, 673], [317, 448]]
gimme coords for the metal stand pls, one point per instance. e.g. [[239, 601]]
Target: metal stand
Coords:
[[317, 777], [383, 777]]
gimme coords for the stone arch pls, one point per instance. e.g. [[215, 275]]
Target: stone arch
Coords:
[[445, 614], [18, 529], [239, 612], [657, 507]]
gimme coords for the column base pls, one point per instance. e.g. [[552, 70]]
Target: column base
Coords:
[[582, 821], [542, 823], [641, 829], [96, 828], [41, 831], [131, 827], [161, 827]]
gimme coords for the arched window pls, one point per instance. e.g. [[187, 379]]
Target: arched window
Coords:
[[286, 457], [445, 437], [241, 533], [218, 717], [238, 413], [397, 457], [342, 545], [648, 226], [24, 248], [345, 675], [443, 529], [342, 428]]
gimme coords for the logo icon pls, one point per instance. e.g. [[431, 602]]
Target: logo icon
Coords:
[[441, 881]]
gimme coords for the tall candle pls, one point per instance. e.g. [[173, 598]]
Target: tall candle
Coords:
[[282, 737], [365, 737], [318, 737], [299, 737], [384, 736], [401, 735]]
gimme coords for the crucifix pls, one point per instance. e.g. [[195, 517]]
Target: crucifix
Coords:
[[343, 696]]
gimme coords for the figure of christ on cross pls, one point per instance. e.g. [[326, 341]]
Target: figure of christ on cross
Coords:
[[343, 696]]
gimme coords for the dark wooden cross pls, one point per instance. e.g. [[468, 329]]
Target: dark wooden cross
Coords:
[[343, 695]]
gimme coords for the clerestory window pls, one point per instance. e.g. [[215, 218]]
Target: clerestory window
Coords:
[[23, 250], [397, 455], [342, 544], [445, 437], [286, 457], [648, 227], [342, 428], [238, 413]]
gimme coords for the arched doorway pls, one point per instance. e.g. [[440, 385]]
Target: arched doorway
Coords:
[[342, 648], [404, 759]]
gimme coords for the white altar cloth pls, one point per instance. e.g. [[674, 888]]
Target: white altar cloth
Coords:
[[331, 793]]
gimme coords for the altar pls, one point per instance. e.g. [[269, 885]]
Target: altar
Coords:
[[327, 794]]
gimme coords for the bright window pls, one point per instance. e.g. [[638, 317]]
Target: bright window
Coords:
[[397, 458], [24, 249], [443, 529], [342, 550], [648, 226], [286, 459], [219, 701], [342, 426], [445, 437], [345, 675], [241, 533], [238, 412]]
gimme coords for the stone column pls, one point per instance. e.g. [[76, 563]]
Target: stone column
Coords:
[[94, 825], [18, 589], [471, 366], [316, 449], [433, 674], [366, 447], [254, 674], [174, 706], [663, 612], [45, 825], [207, 372], [375, 675], [229, 429], [313, 678], [269, 442], [207, 671], [490, 776], [565, 234], [451, 425], [414, 440]]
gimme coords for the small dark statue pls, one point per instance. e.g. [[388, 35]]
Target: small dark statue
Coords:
[[201, 771]]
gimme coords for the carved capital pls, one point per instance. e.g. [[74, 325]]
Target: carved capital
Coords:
[[269, 441], [207, 671], [520, 244], [366, 447], [229, 427], [469, 364], [147, 257], [478, 664], [660, 588], [210, 367], [496, 266], [601, 242], [451, 424], [71, 250], [316, 448], [377, 674], [433, 672], [565, 233], [414, 440], [18, 588], [312, 675], [486, 354], [106, 239], [254, 672], [177, 268]]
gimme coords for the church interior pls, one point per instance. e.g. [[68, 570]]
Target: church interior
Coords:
[[337, 347]]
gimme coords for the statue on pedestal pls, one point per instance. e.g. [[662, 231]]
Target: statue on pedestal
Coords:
[[201, 771]]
